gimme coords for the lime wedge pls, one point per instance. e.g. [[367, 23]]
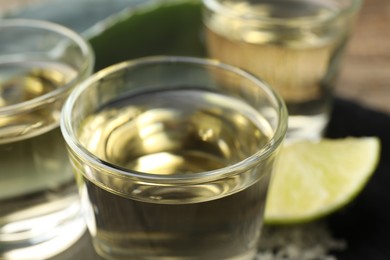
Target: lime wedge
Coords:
[[313, 179]]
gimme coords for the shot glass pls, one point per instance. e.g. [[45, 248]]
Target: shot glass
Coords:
[[173, 157], [40, 63], [294, 45]]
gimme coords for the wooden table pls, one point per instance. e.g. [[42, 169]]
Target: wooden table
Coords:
[[365, 75]]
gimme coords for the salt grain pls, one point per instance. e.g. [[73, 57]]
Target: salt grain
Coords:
[[311, 241]]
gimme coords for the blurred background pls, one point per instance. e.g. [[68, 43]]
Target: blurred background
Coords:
[[365, 74]]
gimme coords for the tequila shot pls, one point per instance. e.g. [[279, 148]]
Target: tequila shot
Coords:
[[40, 63], [294, 45], [173, 157]]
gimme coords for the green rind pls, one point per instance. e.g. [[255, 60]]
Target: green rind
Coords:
[[166, 28]]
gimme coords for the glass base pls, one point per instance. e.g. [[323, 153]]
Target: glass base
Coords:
[[42, 231], [306, 127], [109, 253]]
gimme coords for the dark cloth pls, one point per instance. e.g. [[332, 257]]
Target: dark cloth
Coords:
[[365, 223]]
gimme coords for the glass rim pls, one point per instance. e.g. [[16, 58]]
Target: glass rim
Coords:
[[83, 44], [240, 166], [220, 8]]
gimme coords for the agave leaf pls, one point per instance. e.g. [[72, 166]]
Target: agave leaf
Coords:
[[163, 28]]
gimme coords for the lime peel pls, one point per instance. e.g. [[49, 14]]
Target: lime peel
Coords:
[[314, 179]]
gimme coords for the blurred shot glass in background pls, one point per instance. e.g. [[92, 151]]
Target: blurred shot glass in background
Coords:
[[40, 63], [294, 45], [173, 157]]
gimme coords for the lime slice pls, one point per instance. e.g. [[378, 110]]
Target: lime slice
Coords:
[[313, 179]]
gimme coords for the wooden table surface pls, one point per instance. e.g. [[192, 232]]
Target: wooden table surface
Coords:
[[365, 73]]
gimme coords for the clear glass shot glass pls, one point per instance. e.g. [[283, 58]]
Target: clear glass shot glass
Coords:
[[296, 46], [40, 63], [173, 157]]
